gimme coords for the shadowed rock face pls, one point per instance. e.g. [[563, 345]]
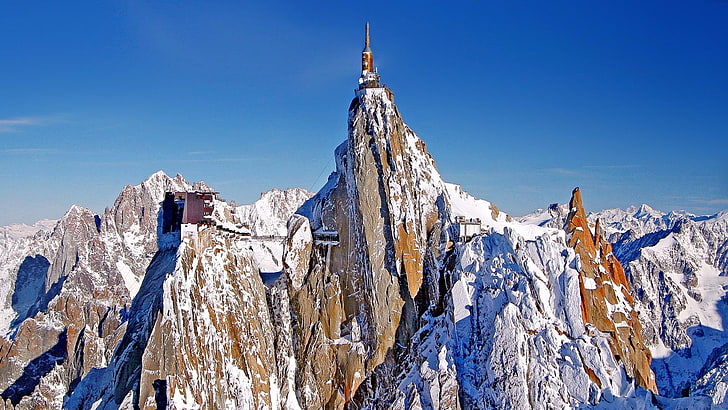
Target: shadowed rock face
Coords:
[[605, 292], [352, 306]]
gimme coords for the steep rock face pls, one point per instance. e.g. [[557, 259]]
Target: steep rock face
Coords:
[[132, 223], [510, 332], [378, 306], [676, 265], [87, 270], [398, 315], [74, 319], [606, 299], [713, 378], [519, 338], [27, 257], [200, 348], [358, 298]]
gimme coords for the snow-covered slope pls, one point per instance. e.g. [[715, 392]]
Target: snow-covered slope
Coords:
[[267, 220], [679, 275], [268, 215], [19, 231]]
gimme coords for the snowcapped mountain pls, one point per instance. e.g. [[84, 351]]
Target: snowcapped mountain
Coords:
[[68, 286], [389, 288], [269, 215], [20, 231]]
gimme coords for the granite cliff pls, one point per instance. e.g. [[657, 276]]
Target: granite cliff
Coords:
[[606, 298]]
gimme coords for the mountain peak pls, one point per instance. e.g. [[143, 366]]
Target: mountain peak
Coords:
[[607, 302], [647, 211], [76, 210], [382, 213], [158, 174]]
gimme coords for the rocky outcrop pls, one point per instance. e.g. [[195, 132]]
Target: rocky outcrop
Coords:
[[607, 302], [200, 331], [211, 345], [675, 265], [359, 299]]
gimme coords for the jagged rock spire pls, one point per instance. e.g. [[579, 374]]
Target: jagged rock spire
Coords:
[[607, 302]]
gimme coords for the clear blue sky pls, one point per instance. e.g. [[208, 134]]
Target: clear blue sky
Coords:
[[517, 101]]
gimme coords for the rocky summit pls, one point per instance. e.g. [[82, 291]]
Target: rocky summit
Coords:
[[388, 288], [606, 299]]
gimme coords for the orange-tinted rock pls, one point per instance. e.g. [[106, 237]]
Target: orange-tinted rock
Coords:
[[605, 294], [355, 301]]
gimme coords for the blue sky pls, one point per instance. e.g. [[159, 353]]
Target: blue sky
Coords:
[[517, 101]]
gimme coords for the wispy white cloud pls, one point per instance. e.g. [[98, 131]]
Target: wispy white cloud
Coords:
[[589, 170], [715, 201], [23, 151], [564, 171], [13, 124], [616, 166], [125, 163], [112, 163], [232, 159]]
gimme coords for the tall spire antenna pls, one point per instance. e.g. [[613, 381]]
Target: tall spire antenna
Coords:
[[369, 77], [366, 42]]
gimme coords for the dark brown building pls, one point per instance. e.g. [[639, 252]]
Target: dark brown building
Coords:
[[186, 208]]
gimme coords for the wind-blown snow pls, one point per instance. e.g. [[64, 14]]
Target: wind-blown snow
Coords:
[[131, 281]]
